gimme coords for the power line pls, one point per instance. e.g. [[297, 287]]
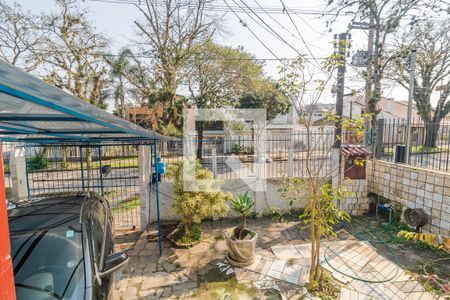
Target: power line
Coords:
[[268, 49], [283, 27], [286, 9], [222, 8], [268, 28], [143, 55], [255, 35], [309, 25]]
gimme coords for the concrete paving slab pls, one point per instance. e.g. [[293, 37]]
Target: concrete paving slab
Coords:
[[286, 252]]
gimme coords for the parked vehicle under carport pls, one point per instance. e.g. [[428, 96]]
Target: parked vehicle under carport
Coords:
[[62, 248]]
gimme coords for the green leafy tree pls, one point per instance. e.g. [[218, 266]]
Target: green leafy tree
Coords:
[[267, 96], [220, 76], [193, 206]]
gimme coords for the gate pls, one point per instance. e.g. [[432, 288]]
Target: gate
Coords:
[[110, 170]]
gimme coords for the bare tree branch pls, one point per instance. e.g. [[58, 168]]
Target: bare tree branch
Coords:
[[20, 34]]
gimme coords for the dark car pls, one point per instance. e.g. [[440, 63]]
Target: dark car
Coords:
[[62, 248]]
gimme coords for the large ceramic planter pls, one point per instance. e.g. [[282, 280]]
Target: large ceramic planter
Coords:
[[241, 252]]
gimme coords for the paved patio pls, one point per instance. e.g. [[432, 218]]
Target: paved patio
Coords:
[[281, 264]]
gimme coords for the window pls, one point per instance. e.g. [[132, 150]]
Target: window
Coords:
[[48, 264]]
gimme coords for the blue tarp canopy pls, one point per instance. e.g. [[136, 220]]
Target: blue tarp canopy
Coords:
[[34, 111]]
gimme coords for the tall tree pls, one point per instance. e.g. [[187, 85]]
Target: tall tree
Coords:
[[170, 31], [120, 68], [21, 36], [268, 96], [144, 91], [75, 54], [431, 39], [217, 77], [386, 16]]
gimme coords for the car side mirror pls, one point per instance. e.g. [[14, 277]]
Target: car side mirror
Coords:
[[114, 262]]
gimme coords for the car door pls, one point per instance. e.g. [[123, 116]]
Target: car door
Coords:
[[98, 229]]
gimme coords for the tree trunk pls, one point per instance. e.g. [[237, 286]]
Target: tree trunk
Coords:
[[187, 228], [314, 241], [200, 140], [431, 134]]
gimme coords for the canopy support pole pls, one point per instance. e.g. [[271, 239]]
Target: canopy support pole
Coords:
[[155, 150], [7, 287]]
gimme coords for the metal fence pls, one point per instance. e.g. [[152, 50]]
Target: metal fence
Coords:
[[429, 143], [110, 170], [234, 157]]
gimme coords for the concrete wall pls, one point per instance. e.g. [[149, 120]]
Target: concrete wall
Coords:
[[411, 186], [414, 188], [264, 200]]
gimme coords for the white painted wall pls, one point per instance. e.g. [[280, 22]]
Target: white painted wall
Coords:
[[264, 200], [17, 166]]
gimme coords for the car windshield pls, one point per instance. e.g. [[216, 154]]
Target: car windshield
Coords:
[[48, 264]]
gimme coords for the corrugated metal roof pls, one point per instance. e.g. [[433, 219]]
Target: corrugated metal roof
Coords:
[[32, 110]]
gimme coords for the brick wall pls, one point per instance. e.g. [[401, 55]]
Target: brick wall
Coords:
[[414, 188], [356, 202]]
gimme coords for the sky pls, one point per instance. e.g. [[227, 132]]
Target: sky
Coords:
[[116, 20]]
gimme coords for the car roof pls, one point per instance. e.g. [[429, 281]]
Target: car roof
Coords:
[[46, 213]]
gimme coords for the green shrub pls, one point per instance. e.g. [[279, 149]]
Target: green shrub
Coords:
[[38, 162], [236, 148], [194, 235], [204, 199]]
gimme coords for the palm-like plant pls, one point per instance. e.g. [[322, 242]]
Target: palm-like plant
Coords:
[[120, 67], [243, 204]]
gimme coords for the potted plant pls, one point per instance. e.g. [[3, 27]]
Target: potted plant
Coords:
[[242, 241], [204, 199]]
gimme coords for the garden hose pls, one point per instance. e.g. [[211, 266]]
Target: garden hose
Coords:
[[375, 240]]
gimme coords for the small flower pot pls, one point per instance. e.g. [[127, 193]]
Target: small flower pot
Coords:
[[241, 247]]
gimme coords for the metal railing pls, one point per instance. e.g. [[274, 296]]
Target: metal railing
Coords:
[[429, 143], [110, 170], [284, 154]]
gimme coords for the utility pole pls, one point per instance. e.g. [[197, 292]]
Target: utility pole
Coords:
[[412, 67], [368, 92], [369, 68], [342, 45], [342, 53]]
